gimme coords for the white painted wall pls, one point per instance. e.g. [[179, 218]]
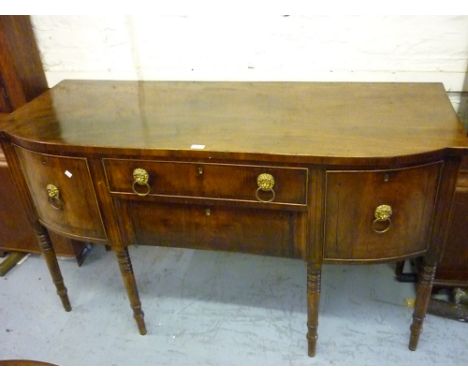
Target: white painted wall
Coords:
[[224, 47]]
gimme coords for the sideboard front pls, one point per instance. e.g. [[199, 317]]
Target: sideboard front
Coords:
[[318, 172]]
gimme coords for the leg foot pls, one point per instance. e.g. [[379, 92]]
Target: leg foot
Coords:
[[129, 281], [313, 299], [423, 296], [49, 255]]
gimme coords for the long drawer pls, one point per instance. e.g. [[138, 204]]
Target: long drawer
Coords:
[[207, 180]]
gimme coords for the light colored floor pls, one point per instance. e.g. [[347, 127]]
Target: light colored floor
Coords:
[[214, 308]]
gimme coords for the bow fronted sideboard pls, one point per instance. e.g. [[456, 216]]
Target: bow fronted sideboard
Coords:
[[321, 172]]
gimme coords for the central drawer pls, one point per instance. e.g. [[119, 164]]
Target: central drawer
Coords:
[[247, 230], [208, 181]]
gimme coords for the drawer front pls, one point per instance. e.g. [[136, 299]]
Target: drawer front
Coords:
[[377, 215], [210, 181], [257, 231], [74, 210]]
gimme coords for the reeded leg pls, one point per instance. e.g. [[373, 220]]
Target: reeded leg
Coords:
[[128, 277], [49, 254], [313, 299], [423, 295]]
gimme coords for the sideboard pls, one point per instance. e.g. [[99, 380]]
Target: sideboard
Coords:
[[322, 172]]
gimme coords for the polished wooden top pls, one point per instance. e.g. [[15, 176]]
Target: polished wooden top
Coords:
[[322, 120]]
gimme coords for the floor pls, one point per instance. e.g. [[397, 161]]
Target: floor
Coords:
[[215, 308]]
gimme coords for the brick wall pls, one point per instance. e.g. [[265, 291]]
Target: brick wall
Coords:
[[282, 47]]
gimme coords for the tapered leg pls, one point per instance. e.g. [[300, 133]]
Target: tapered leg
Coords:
[[49, 254], [313, 299], [128, 277], [423, 295]]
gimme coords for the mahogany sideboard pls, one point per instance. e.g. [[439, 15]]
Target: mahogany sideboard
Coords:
[[323, 172]]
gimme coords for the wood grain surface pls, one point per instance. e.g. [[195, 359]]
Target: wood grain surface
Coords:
[[312, 122]]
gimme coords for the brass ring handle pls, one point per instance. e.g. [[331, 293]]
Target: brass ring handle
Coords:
[[141, 177], [382, 214], [273, 194], [53, 196], [265, 182]]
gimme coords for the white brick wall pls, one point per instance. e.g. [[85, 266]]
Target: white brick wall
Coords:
[[296, 48]]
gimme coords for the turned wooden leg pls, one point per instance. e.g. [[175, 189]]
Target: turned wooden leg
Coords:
[[129, 281], [313, 299], [423, 296], [49, 254]]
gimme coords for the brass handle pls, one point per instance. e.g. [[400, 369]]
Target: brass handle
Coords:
[[53, 196], [382, 214], [265, 182], [141, 177]]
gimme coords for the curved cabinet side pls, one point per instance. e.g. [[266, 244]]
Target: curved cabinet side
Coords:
[[75, 211], [380, 215]]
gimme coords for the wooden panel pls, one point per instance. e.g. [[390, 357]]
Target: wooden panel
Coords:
[[21, 72], [215, 228], [453, 269], [351, 199], [16, 232], [204, 180], [80, 216]]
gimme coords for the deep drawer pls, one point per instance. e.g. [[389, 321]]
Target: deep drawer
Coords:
[[258, 231], [210, 181], [374, 215]]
